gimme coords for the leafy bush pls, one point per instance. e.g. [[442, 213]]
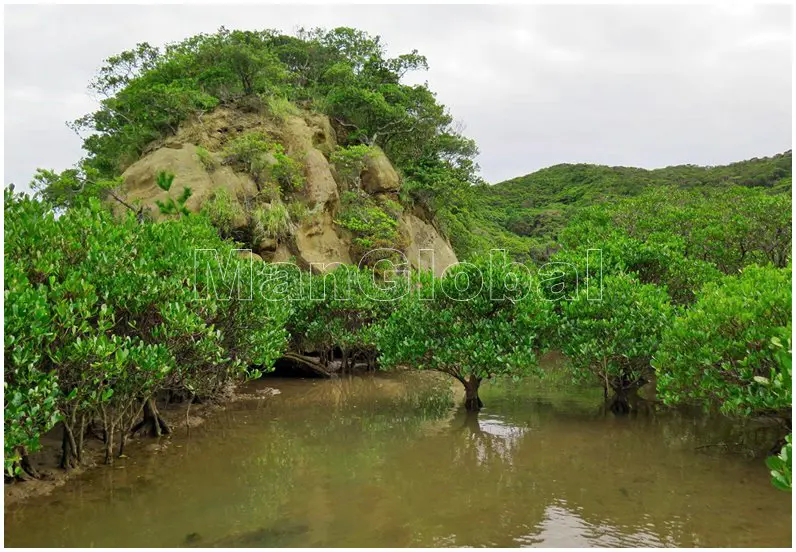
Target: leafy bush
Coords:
[[164, 181], [480, 321], [271, 221], [729, 227], [727, 349], [101, 315], [349, 162], [392, 208], [781, 466], [660, 259], [263, 160], [247, 151], [287, 172], [341, 310], [298, 211], [281, 107], [372, 226], [612, 339]]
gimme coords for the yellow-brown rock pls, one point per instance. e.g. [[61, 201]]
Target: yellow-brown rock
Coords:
[[379, 176], [316, 241], [427, 249], [140, 179]]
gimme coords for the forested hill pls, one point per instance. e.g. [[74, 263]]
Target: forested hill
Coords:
[[526, 213]]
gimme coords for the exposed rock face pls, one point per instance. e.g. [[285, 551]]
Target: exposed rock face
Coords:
[[426, 249], [379, 175], [281, 255], [321, 187], [181, 159], [319, 245], [315, 241]]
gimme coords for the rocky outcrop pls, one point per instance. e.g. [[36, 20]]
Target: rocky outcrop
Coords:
[[379, 176], [249, 255], [140, 179], [319, 246], [315, 240], [427, 249], [321, 188]]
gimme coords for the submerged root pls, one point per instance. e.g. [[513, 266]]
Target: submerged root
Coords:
[[619, 405], [152, 424], [472, 401]]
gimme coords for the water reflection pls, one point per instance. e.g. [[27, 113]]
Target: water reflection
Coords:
[[563, 527], [392, 461]]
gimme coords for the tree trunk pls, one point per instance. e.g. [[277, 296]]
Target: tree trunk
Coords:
[[373, 361], [69, 457], [620, 403], [109, 431], [80, 436], [122, 442], [153, 424], [25, 464], [625, 396], [472, 401]]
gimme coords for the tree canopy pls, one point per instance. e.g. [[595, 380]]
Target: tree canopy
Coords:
[[147, 92]]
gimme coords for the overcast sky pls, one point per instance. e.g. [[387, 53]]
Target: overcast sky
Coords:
[[534, 85]]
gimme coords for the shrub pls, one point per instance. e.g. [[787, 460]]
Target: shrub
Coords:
[[102, 314], [271, 221], [613, 339], [349, 162], [222, 210], [164, 181], [372, 226], [490, 326], [287, 172], [281, 107], [781, 466], [246, 152], [298, 211], [264, 160], [393, 208], [206, 158], [728, 350]]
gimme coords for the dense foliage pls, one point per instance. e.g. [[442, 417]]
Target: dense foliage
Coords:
[[147, 92], [613, 339], [481, 320], [101, 315], [527, 214], [338, 314], [372, 222], [731, 348]]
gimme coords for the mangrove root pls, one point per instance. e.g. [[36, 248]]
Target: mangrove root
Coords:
[[152, 424]]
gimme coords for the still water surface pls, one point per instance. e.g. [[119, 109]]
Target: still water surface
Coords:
[[390, 460]]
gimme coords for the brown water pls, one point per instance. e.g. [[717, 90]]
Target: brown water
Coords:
[[391, 461]]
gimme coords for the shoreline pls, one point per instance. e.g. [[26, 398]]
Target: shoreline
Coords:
[[46, 460]]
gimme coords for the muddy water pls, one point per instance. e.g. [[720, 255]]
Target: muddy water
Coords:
[[391, 461]]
